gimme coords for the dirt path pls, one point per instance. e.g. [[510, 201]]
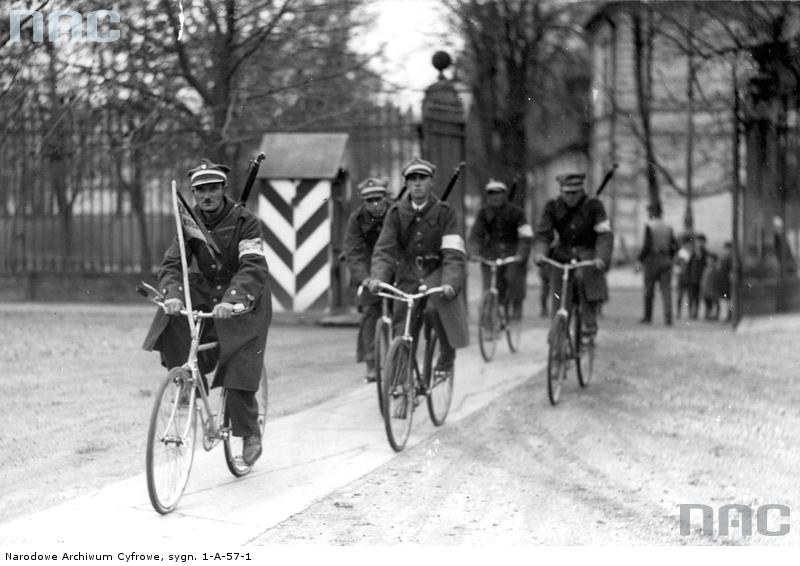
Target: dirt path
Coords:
[[690, 414]]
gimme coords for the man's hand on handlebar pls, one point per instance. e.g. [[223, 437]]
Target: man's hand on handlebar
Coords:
[[599, 264], [373, 285], [227, 310], [173, 306], [538, 258], [448, 292]]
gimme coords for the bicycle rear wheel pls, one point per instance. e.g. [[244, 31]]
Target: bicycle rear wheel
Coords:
[[171, 441], [383, 336], [513, 329], [557, 358], [584, 353], [398, 393], [440, 384], [234, 444], [487, 325]]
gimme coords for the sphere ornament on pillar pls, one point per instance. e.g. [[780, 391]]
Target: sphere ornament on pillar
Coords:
[[441, 60]]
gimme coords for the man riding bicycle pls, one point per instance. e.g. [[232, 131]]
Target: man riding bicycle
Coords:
[[584, 232], [420, 244], [225, 282], [501, 230], [362, 231]]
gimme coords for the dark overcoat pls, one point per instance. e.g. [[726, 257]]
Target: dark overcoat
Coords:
[[425, 247], [361, 233], [500, 232], [584, 232], [239, 275]]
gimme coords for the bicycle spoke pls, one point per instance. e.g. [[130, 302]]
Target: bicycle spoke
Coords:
[[171, 441]]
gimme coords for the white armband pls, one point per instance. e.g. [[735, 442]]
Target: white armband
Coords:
[[525, 231], [454, 242], [251, 247], [603, 227]]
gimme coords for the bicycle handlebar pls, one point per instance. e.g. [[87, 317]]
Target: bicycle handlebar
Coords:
[[498, 262], [392, 292], [574, 264], [155, 296]]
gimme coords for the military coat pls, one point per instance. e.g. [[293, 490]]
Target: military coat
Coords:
[[361, 234], [425, 247], [584, 232], [500, 232], [239, 275]]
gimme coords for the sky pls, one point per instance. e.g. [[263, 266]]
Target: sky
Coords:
[[412, 30]]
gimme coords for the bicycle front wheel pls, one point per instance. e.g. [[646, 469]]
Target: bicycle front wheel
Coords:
[[513, 330], [383, 336], [487, 325], [171, 441], [398, 393], [234, 444], [557, 358], [440, 388], [584, 353]]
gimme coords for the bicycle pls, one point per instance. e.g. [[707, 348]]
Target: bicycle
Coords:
[[565, 345], [403, 381], [492, 319], [182, 398]]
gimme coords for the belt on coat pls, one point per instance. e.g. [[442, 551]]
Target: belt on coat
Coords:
[[427, 263]]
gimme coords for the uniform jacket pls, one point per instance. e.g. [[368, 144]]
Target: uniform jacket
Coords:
[[659, 247], [584, 232], [500, 232], [425, 248], [361, 234], [239, 276]]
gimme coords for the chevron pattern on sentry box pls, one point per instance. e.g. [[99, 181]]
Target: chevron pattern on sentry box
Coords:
[[295, 216]]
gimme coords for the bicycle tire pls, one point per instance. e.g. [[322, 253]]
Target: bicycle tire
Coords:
[[398, 393], [557, 358], [234, 444], [171, 441], [584, 355], [440, 388], [513, 330], [383, 336], [487, 325]]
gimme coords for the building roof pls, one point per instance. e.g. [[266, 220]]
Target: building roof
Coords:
[[302, 155]]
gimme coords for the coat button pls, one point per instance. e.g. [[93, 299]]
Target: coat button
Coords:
[[219, 287], [213, 266]]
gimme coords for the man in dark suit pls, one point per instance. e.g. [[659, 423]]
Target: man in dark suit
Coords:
[[658, 250]]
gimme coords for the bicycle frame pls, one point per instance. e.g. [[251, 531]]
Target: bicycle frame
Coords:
[[563, 310], [494, 265], [388, 292], [212, 432]]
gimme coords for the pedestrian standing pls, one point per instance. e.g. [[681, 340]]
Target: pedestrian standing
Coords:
[[681, 269], [697, 264], [724, 280], [656, 257], [361, 234]]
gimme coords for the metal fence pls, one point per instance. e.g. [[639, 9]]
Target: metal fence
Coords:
[[87, 200]]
